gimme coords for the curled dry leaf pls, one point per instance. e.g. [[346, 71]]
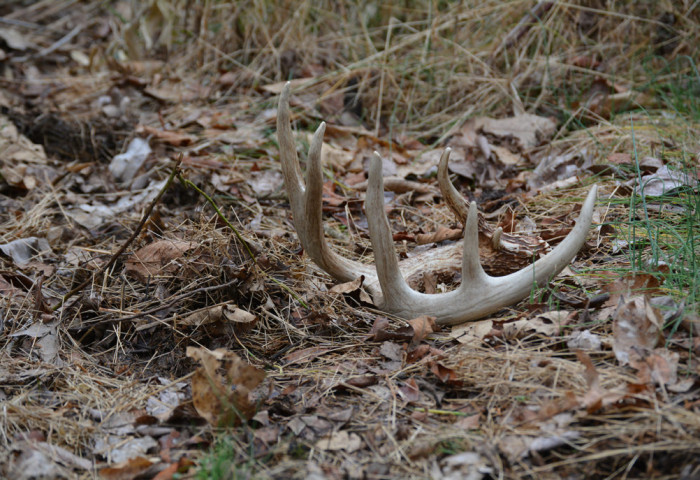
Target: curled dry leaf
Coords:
[[336, 158], [223, 399], [444, 374], [353, 287], [636, 327], [663, 182], [596, 397], [131, 468], [548, 324], [23, 250], [158, 258], [305, 355], [441, 234], [584, 340], [382, 330], [125, 166], [227, 312], [341, 440], [629, 285], [472, 333], [519, 133], [18, 155], [422, 327], [348, 287], [392, 351], [410, 391], [659, 366]]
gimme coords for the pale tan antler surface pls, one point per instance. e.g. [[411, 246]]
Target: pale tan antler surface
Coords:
[[479, 294]]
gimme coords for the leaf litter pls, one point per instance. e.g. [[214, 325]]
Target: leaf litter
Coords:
[[191, 336]]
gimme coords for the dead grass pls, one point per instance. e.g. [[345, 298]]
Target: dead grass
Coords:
[[614, 75]]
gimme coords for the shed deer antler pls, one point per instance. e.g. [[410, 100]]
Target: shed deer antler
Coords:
[[478, 295]]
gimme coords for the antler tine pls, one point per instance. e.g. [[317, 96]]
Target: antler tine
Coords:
[[488, 294], [468, 215], [393, 286], [471, 265], [288, 151], [454, 200], [306, 200], [554, 262]]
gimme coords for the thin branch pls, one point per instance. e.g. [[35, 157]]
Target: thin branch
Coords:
[[146, 215]]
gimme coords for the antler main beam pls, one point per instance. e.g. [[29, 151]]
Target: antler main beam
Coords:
[[478, 295]]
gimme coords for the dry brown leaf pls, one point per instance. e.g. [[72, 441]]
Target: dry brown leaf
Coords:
[[659, 366], [305, 355], [472, 422], [628, 285], [592, 400], [177, 91], [342, 440], [9, 291], [514, 447], [353, 288], [596, 397], [520, 133], [203, 316], [176, 139], [243, 321], [181, 466], [620, 158], [362, 381], [445, 374], [663, 181], [382, 330], [555, 406], [636, 327], [440, 235], [505, 156], [212, 392], [268, 435], [336, 158], [380, 324], [347, 287], [392, 351], [157, 258], [126, 470], [17, 149], [472, 333], [410, 391], [422, 327], [548, 324]]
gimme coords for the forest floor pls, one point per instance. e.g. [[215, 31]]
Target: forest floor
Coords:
[[159, 318]]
